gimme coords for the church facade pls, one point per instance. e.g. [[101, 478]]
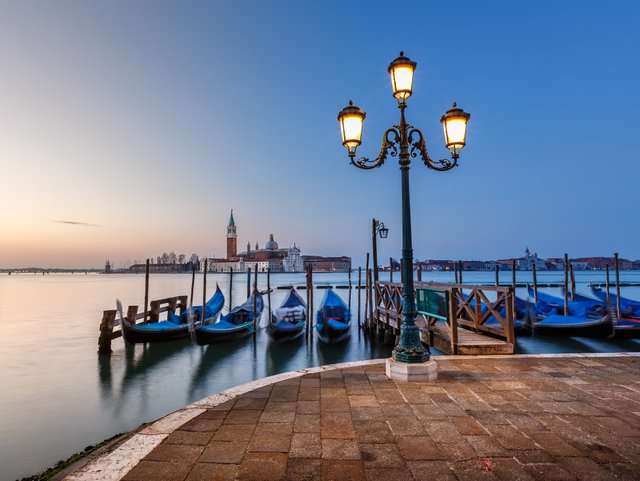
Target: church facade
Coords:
[[270, 257]]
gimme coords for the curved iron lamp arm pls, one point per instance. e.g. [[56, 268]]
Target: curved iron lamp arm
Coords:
[[419, 147], [388, 148]]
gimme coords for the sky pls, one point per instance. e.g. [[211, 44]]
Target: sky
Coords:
[[132, 128]]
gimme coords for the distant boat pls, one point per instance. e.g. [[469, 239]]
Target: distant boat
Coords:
[[236, 324], [333, 319], [587, 318], [288, 321], [171, 329]]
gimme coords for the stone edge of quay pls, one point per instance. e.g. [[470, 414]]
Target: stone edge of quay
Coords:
[[113, 465]]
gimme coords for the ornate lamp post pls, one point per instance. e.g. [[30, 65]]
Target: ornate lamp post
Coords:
[[406, 142]]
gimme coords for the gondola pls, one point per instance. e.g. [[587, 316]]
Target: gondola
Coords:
[[211, 309], [288, 321], [628, 307], [627, 326], [238, 323], [333, 319], [171, 329], [586, 318]]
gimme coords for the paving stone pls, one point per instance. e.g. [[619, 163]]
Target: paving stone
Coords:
[[475, 470], [269, 442], [367, 414], [274, 428], [304, 470], [281, 406], [158, 471], [442, 431], [213, 472], [416, 448], [224, 452], [201, 424], [309, 394], [554, 444], [337, 425], [385, 455], [306, 423], [263, 467], [277, 417], [340, 449], [234, 432], [373, 432], [334, 404], [587, 469], [405, 426], [308, 407], [431, 470], [388, 474], [510, 437], [342, 470], [189, 437], [468, 425], [250, 403], [364, 401], [486, 446], [305, 445], [244, 416], [175, 453]]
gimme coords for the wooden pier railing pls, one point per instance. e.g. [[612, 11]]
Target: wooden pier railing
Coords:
[[453, 318], [108, 325]]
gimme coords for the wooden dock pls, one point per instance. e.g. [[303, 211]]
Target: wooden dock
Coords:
[[450, 321]]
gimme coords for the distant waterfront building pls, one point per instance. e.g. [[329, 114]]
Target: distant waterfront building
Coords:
[[271, 257], [328, 264], [526, 262]]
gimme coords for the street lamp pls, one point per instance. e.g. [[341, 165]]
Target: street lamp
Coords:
[[406, 142]]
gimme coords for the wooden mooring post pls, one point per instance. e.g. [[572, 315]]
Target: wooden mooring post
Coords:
[[460, 268], [106, 332], [269, 290], [573, 282], [204, 290], [619, 311], [607, 285], [566, 284], [193, 281], [497, 276], [390, 268], [230, 287], [359, 290], [248, 282], [146, 290], [255, 303], [535, 283], [349, 304], [311, 304]]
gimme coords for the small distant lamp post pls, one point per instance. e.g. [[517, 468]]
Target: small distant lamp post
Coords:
[[405, 141], [377, 228]]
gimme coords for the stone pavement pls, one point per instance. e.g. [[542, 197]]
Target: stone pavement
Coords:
[[485, 418]]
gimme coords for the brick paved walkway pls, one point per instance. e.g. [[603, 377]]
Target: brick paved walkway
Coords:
[[507, 418]]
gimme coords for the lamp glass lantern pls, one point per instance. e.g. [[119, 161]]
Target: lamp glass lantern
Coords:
[[401, 71], [351, 119], [454, 123], [383, 231]]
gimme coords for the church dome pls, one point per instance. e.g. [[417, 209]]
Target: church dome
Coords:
[[271, 245]]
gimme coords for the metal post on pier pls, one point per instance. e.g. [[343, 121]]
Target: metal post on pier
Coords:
[[615, 255]]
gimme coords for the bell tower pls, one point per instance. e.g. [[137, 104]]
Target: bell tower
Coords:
[[232, 239]]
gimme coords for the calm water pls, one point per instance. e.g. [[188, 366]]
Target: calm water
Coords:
[[57, 397]]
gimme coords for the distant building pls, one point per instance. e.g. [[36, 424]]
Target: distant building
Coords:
[[159, 268], [271, 257], [526, 262], [328, 264]]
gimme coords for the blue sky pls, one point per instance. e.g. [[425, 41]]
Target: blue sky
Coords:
[[151, 120]]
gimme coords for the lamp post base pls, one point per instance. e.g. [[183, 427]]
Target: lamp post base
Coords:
[[413, 372]]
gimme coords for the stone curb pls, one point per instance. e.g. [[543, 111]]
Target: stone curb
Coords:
[[113, 465]]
